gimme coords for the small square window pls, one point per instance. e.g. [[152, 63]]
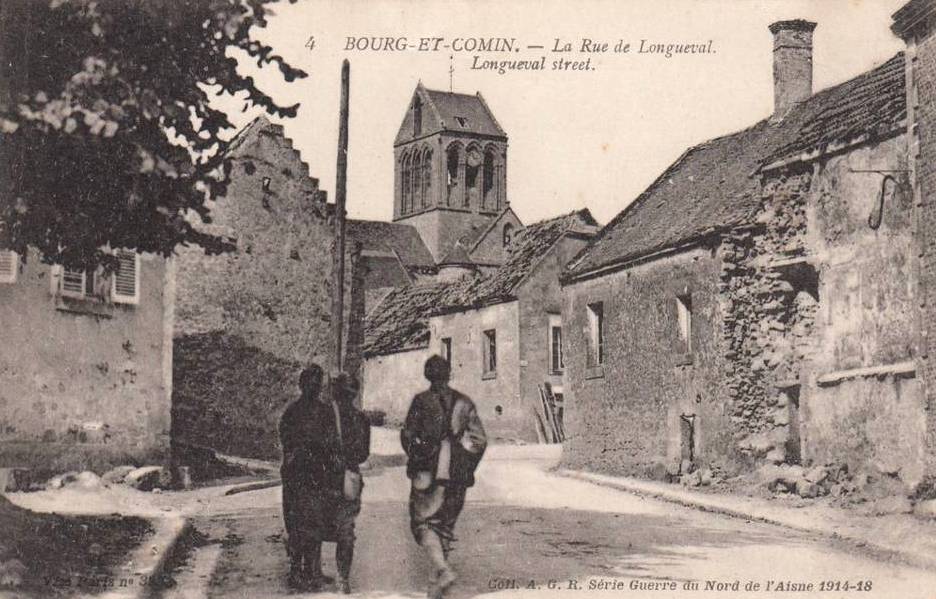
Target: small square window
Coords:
[[489, 352]]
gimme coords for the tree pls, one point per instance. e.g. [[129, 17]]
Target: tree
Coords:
[[107, 136]]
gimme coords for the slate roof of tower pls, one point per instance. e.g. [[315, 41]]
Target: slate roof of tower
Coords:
[[401, 321], [452, 112], [471, 107], [713, 186]]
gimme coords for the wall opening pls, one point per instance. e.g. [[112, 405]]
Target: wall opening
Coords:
[[794, 443], [687, 438]]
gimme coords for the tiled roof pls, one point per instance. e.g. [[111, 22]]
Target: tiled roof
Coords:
[[529, 245], [713, 186], [387, 237], [401, 321]]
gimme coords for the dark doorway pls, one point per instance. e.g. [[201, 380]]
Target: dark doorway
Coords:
[[794, 446], [687, 437]]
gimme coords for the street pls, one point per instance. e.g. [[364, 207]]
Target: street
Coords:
[[526, 531]]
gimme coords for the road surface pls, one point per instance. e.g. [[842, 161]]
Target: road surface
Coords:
[[527, 532]]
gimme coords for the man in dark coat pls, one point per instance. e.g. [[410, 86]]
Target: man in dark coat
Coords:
[[444, 440], [315, 506]]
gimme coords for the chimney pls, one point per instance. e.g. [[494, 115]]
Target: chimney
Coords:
[[792, 64]]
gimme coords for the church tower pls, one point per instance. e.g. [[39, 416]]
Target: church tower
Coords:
[[450, 176]]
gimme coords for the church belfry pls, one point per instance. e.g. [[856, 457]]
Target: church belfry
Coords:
[[450, 167]]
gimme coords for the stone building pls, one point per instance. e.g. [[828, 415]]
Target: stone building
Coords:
[[915, 23], [501, 330], [248, 321], [457, 273], [757, 302], [85, 363]]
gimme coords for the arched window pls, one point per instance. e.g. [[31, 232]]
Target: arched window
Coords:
[[508, 234], [417, 181], [407, 190], [473, 162], [489, 182], [453, 154], [427, 178], [417, 116]]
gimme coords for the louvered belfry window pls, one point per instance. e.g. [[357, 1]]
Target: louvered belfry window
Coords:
[[126, 280], [9, 266]]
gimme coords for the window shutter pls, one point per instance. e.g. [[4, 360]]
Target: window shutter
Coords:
[[73, 282], [9, 266], [126, 281]]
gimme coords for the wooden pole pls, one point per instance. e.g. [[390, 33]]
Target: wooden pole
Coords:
[[340, 193]]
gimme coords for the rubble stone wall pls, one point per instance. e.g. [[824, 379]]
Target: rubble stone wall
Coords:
[[923, 107], [627, 416], [272, 295], [828, 289]]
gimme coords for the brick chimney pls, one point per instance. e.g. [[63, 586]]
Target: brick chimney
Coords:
[[915, 24], [792, 64]]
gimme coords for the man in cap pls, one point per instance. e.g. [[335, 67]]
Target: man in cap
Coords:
[[444, 440]]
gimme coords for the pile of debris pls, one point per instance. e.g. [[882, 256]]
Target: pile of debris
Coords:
[[146, 478], [807, 482]]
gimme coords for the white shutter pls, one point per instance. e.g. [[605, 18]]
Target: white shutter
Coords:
[[126, 281], [9, 266], [73, 282]]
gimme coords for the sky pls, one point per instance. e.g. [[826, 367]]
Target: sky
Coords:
[[594, 138]]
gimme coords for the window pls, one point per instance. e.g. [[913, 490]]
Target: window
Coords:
[[9, 266], [489, 354], [556, 364], [508, 234], [447, 349], [596, 334], [489, 182], [417, 117], [265, 183], [125, 283], [684, 322], [462, 122], [121, 287], [453, 155], [80, 284]]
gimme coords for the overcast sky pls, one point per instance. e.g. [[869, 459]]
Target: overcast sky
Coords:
[[591, 139]]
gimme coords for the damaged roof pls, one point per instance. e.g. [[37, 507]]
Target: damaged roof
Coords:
[[401, 321], [713, 186], [403, 240]]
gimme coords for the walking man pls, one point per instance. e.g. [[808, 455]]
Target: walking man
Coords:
[[325, 438], [444, 440]]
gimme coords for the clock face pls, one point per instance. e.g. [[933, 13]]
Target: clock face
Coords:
[[474, 158]]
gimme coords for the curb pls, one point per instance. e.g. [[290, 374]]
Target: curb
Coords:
[[702, 504], [148, 561]]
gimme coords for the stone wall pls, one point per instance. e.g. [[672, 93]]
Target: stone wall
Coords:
[[391, 381], [498, 396], [272, 295], [921, 109], [538, 297], [627, 416], [84, 388], [820, 317]]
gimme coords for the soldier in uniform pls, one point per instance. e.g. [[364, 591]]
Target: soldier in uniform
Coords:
[[444, 440], [325, 438]]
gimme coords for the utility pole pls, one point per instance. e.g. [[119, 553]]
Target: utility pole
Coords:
[[340, 193]]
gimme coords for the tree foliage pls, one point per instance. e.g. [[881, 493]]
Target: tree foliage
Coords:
[[107, 135]]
